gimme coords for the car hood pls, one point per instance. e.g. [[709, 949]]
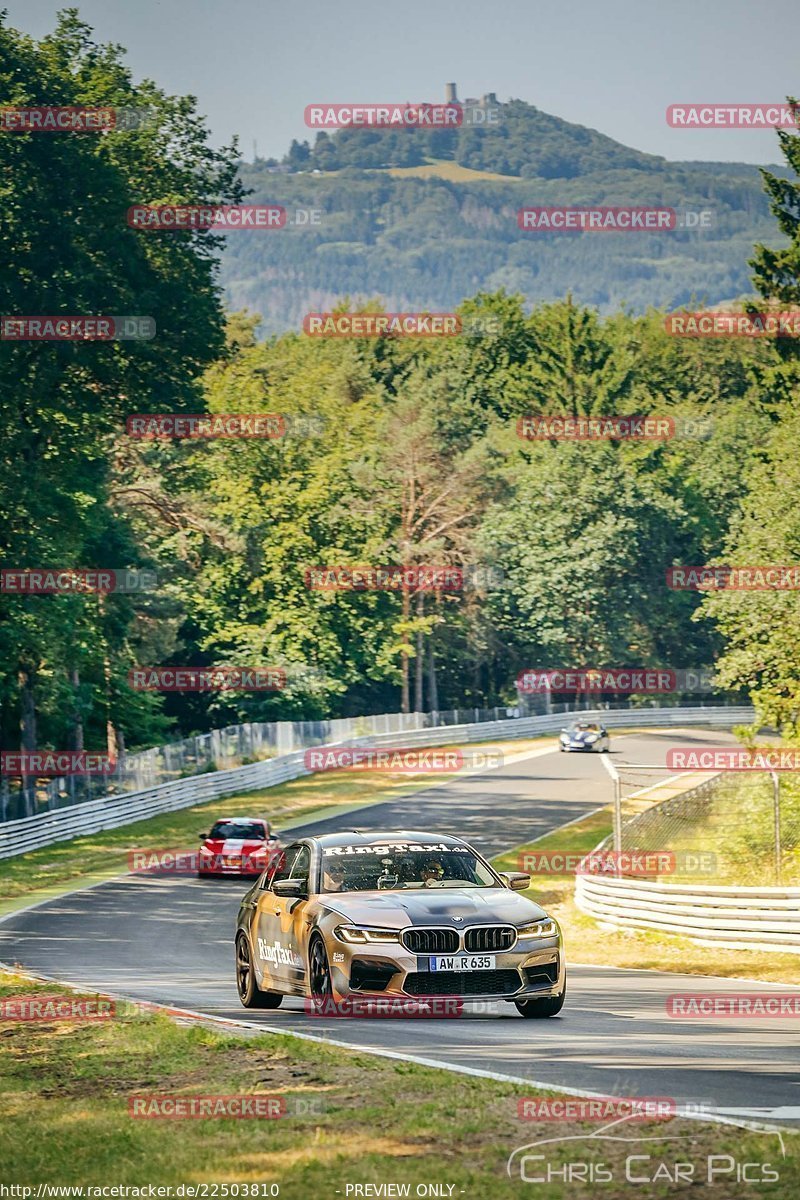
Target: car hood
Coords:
[[235, 845], [582, 735], [458, 907]]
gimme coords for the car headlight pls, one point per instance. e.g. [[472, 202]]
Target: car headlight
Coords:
[[564, 737], [361, 935], [592, 737], [538, 929], [205, 850]]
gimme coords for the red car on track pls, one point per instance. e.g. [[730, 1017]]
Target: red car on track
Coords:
[[237, 846]]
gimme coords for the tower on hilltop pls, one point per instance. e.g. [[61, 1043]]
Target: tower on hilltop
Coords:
[[489, 100]]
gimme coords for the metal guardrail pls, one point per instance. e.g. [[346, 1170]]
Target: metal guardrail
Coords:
[[110, 812], [254, 741], [736, 918], [733, 917], [220, 750]]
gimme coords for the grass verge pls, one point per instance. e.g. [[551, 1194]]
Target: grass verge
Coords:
[[351, 1119], [588, 942]]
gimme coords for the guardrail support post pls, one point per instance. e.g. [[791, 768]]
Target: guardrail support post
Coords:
[[776, 808], [617, 815]]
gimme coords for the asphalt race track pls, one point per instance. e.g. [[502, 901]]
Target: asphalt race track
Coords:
[[169, 940]]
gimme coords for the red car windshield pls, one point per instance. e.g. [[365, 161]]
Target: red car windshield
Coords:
[[245, 831]]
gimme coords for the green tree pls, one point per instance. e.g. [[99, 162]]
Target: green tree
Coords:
[[66, 249], [761, 629]]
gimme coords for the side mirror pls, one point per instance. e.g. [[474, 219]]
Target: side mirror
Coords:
[[518, 881], [290, 887], [203, 837], [274, 837]]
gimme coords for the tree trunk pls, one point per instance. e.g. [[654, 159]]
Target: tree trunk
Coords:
[[419, 664], [433, 687], [111, 733], [77, 717], [27, 725], [405, 705]]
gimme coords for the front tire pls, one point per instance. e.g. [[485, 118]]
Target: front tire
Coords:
[[319, 973], [547, 1006], [250, 994]]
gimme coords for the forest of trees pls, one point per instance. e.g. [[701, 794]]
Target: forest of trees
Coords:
[[397, 451], [435, 241]]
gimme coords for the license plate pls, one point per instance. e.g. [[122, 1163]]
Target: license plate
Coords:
[[462, 962], [232, 862]]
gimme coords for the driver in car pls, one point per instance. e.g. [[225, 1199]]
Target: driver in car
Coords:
[[432, 872], [333, 880]]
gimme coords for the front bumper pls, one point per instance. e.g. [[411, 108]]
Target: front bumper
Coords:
[[535, 970], [216, 865]]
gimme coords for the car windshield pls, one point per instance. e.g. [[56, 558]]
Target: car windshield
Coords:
[[244, 830], [582, 727], [402, 867]]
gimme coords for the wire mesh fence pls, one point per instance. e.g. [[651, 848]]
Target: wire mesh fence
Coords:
[[222, 749], [730, 828], [238, 745]]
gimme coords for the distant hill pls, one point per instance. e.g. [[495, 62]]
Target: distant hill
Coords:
[[523, 141], [423, 219]]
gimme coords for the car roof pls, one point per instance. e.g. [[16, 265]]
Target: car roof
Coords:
[[253, 820], [352, 837]]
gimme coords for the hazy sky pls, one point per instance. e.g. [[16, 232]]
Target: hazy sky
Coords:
[[614, 65]]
